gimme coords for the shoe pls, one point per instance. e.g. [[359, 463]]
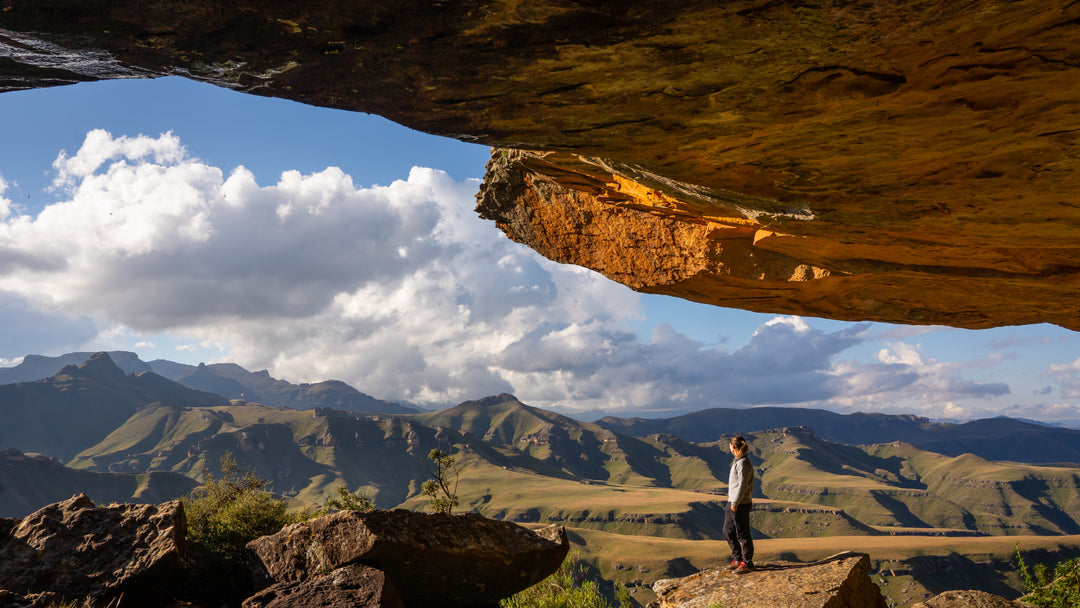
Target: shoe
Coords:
[[733, 565], [744, 568]]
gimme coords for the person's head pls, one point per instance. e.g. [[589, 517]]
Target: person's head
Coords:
[[738, 446]]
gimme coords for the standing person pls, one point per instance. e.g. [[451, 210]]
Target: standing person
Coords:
[[740, 502]]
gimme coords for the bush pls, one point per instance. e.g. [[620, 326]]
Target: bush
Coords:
[[223, 515], [567, 588], [1060, 589], [351, 501]]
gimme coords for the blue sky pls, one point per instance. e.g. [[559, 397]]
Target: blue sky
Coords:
[[186, 222]]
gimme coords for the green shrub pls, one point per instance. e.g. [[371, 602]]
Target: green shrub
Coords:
[[225, 513], [1057, 589], [567, 588], [351, 501]]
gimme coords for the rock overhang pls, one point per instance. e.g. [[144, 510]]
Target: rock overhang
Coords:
[[900, 162]]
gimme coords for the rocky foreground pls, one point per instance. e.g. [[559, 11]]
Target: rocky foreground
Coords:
[[133, 555]]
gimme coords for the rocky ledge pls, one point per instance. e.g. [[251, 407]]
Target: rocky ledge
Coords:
[[401, 558], [911, 162], [133, 555], [841, 581], [73, 550]]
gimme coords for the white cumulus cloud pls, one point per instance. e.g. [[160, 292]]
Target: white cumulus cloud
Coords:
[[400, 290]]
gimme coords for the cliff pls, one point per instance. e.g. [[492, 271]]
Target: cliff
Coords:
[[909, 162]]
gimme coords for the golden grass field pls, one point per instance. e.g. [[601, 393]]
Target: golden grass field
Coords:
[[641, 560]]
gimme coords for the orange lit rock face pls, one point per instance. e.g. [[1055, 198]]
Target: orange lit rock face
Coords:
[[573, 212], [912, 162]]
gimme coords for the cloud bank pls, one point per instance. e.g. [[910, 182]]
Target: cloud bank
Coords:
[[399, 290]]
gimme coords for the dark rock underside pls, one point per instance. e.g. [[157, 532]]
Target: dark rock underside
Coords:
[[910, 162]]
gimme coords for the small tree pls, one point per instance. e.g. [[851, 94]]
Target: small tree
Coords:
[[351, 501], [442, 487], [1060, 589]]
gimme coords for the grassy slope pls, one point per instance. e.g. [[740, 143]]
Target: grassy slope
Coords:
[[637, 503], [900, 485], [28, 483], [992, 438], [907, 568], [530, 465]]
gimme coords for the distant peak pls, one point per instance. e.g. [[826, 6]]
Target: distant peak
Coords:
[[494, 400], [100, 366]]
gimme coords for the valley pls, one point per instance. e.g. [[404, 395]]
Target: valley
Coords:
[[639, 508]]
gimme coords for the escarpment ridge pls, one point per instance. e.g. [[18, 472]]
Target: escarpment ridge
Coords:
[[907, 162]]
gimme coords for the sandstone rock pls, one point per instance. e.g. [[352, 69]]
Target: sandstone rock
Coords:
[[841, 581], [910, 162], [431, 560], [969, 599], [353, 586], [76, 550]]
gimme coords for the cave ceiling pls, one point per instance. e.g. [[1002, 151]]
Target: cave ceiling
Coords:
[[907, 162]]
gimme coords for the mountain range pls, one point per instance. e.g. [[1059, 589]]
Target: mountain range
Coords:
[[226, 379], [529, 464], [998, 438], [641, 498]]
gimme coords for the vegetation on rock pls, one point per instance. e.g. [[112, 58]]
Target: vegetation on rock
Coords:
[[351, 501], [1059, 588], [569, 587], [224, 514]]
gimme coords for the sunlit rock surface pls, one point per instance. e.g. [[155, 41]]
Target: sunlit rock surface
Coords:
[[840, 581], [910, 162]]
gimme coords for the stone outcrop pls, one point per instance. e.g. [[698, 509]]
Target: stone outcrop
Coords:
[[841, 581], [912, 162], [352, 586], [416, 559], [969, 599], [73, 550]]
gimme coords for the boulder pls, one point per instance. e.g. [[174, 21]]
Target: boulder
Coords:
[[969, 599], [353, 586], [462, 560], [75, 550], [840, 581]]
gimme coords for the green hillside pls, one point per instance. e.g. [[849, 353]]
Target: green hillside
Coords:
[[583, 450], [29, 481], [906, 568], [532, 465], [660, 486], [76, 408], [637, 506], [898, 485], [992, 438]]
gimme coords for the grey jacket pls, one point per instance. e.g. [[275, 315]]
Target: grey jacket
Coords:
[[740, 485]]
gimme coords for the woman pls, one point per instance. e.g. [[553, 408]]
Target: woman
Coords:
[[740, 502]]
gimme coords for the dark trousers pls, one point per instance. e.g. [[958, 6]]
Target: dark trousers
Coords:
[[737, 531]]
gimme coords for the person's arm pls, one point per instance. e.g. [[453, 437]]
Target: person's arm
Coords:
[[736, 483], [741, 482]]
